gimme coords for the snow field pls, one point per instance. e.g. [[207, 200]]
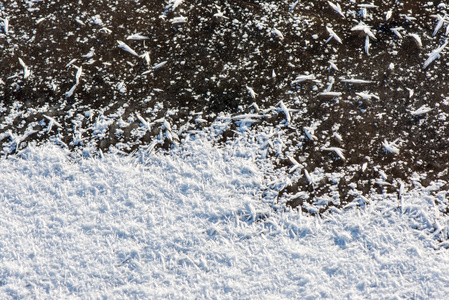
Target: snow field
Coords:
[[193, 224]]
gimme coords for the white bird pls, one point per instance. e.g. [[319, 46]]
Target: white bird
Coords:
[[365, 28], [137, 37], [126, 48], [251, 92], [416, 38], [337, 8], [333, 35], [26, 70], [388, 15], [434, 55], [5, 24], [391, 147], [277, 33], [336, 150]]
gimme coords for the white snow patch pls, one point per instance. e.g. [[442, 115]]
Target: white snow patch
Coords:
[[194, 224]]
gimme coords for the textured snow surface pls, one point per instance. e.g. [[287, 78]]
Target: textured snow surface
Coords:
[[200, 222]]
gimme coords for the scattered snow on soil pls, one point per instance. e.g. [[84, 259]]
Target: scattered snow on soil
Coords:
[[203, 222]]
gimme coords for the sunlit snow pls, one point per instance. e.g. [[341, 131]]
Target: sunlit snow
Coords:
[[192, 223]]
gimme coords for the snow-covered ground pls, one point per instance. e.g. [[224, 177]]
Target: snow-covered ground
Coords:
[[232, 149], [203, 222]]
